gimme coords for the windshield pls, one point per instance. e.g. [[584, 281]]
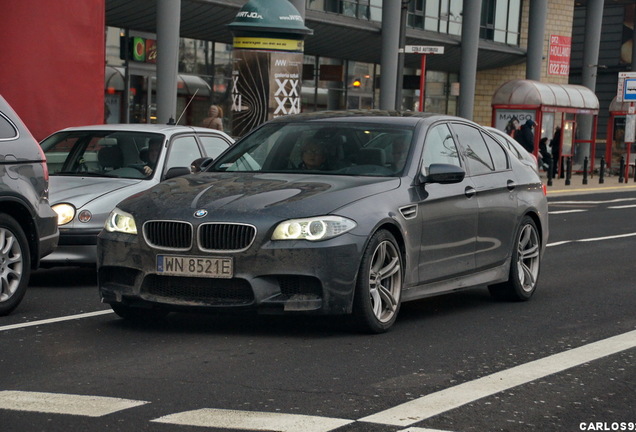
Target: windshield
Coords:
[[99, 153], [336, 148]]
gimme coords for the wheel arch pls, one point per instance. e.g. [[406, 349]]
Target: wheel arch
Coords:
[[534, 215], [24, 217]]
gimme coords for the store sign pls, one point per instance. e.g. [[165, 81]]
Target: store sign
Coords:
[[559, 55], [142, 50]]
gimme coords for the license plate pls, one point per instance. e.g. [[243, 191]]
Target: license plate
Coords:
[[217, 267]]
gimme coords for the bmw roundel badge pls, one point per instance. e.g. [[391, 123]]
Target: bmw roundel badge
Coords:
[[200, 213]]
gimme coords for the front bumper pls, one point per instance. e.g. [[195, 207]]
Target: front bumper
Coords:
[[75, 247], [278, 277]]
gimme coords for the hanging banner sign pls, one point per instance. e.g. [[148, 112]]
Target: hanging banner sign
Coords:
[[559, 55]]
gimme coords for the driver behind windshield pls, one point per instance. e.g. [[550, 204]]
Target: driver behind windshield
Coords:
[[154, 149], [313, 155]]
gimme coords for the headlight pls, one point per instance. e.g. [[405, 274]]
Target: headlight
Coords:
[[316, 228], [120, 221], [65, 213]]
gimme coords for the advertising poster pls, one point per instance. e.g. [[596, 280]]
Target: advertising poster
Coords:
[[265, 84], [510, 121]]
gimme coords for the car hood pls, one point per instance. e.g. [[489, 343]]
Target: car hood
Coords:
[[80, 191], [230, 195]]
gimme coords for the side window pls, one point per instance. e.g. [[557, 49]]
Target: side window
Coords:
[[477, 154], [7, 131], [499, 156], [182, 152], [213, 145], [440, 147]]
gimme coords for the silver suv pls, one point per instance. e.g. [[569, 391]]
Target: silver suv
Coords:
[[28, 225]]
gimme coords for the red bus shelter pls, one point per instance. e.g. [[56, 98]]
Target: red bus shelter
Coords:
[[616, 147], [573, 108]]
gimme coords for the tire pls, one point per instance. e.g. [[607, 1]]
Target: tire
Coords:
[[15, 264], [137, 314], [378, 294], [524, 266]]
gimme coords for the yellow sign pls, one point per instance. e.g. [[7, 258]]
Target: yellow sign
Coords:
[[268, 43]]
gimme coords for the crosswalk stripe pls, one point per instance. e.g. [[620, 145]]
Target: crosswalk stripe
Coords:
[[252, 420], [58, 403], [450, 398]]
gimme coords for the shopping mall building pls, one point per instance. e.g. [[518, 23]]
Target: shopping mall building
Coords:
[[88, 61]]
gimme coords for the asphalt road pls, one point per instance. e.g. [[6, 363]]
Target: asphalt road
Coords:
[[564, 361]]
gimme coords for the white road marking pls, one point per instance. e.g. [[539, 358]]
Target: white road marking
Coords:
[[251, 420], [591, 202], [622, 207], [416, 429], [593, 239], [58, 403], [565, 212], [454, 397], [55, 320]]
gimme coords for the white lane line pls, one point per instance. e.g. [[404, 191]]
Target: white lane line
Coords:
[[58, 403], [252, 420], [55, 320], [565, 212], [416, 429], [454, 397], [593, 239], [591, 202], [622, 207]]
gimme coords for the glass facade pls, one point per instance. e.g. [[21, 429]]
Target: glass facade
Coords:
[[205, 67], [500, 18]]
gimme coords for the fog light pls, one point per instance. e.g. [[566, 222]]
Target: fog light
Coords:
[[84, 216]]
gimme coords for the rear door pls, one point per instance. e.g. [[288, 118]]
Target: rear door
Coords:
[[495, 183]]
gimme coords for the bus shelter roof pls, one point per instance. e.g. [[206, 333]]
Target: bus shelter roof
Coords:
[[535, 93]]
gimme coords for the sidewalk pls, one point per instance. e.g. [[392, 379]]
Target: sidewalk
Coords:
[[576, 185]]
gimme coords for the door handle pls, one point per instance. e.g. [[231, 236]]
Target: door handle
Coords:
[[511, 185], [470, 191]]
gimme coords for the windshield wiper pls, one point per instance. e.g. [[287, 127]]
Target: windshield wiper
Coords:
[[83, 174]]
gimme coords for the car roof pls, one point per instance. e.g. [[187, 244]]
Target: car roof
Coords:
[[379, 116], [143, 127]]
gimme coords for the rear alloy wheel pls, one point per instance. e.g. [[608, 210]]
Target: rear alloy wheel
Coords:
[[379, 286], [524, 266], [15, 264]]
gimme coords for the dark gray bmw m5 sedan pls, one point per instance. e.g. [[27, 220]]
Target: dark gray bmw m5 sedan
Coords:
[[350, 212]]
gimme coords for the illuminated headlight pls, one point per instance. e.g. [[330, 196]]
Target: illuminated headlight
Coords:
[[120, 221], [65, 213], [316, 228]]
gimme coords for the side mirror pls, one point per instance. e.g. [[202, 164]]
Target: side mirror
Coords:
[[176, 172], [200, 164], [442, 173]]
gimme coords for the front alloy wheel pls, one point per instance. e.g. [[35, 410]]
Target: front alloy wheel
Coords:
[[379, 286], [15, 264], [525, 264]]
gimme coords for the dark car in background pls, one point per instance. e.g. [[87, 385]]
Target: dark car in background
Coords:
[[28, 225], [331, 213], [92, 168]]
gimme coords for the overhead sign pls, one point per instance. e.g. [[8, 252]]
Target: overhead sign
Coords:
[[423, 49], [559, 55], [626, 91]]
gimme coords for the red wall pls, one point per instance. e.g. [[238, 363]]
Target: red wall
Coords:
[[52, 62]]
